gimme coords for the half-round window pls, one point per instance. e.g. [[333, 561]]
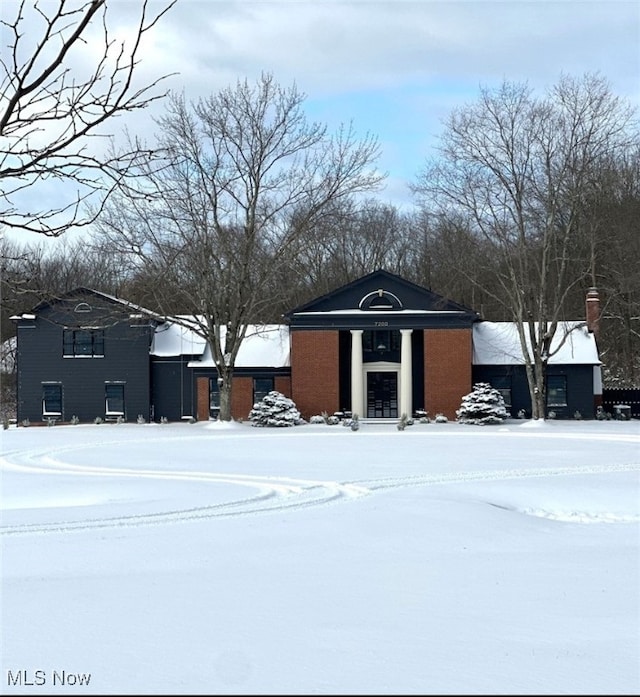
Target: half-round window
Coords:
[[82, 307], [380, 300]]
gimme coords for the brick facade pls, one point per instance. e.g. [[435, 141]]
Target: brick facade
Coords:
[[202, 397], [314, 371], [447, 369], [241, 397], [282, 384]]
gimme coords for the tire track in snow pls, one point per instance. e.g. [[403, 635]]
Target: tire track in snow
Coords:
[[274, 493], [491, 475]]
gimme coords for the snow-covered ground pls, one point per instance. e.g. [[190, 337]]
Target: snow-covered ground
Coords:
[[227, 559]]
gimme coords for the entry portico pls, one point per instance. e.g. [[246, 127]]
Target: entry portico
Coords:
[[381, 347]]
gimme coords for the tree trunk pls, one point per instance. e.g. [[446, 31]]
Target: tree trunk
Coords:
[[226, 374]]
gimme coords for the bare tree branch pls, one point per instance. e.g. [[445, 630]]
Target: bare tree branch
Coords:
[[519, 171], [214, 224], [61, 81]]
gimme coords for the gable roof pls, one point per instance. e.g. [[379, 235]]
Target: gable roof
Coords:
[[412, 297], [82, 291]]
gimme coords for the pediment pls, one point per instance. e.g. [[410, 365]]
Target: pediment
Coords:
[[381, 291], [85, 306]]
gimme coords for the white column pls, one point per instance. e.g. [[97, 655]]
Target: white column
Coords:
[[406, 371], [357, 379]]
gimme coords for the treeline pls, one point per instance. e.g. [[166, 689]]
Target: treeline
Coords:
[[247, 210], [355, 242]]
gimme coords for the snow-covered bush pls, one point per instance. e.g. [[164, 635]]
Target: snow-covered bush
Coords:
[[483, 405], [441, 418], [275, 410], [324, 418]]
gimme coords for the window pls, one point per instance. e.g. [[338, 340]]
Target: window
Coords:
[[381, 340], [52, 399], [83, 342], [503, 385], [114, 398], [556, 391], [214, 396], [380, 300], [261, 388]]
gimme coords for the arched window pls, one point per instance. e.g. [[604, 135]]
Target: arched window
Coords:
[[380, 300]]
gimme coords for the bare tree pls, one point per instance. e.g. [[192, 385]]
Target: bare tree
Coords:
[[214, 226], [39, 272], [353, 239], [613, 212], [63, 75], [518, 170]]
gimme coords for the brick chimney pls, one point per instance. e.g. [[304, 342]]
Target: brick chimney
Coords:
[[593, 311]]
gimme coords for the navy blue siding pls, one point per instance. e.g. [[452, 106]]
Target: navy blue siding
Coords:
[[41, 360], [579, 387], [173, 388]]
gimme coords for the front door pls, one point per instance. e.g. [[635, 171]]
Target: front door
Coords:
[[382, 395]]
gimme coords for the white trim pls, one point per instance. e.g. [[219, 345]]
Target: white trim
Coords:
[[381, 293], [380, 367], [358, 389]]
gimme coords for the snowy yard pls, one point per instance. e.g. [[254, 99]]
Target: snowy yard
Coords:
[[227, 559]]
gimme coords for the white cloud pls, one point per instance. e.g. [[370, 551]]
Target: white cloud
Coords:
[[396, 68]]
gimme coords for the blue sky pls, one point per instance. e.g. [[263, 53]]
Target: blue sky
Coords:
[[395, 68]]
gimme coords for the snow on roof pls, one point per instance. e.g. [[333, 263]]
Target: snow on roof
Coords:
[[265, 345], [358, 311], [174, 339], [498, 343]]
